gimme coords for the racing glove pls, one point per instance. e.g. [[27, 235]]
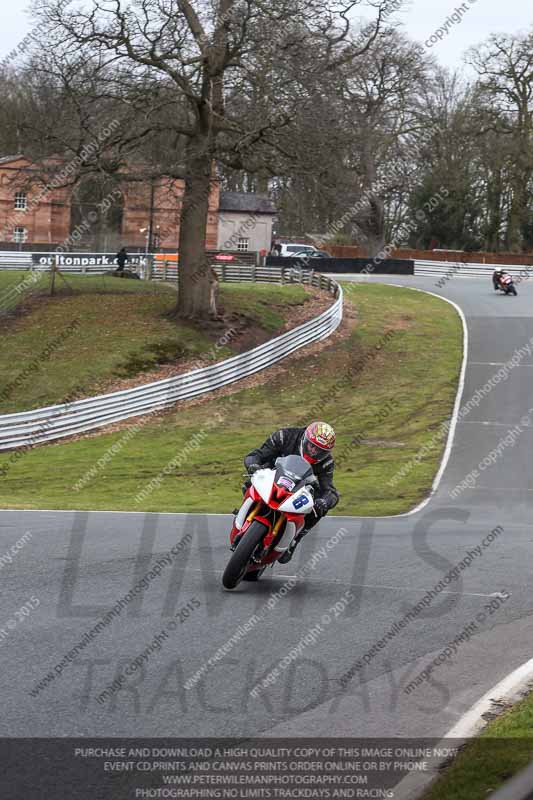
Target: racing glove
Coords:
[[321, 507], [250, 470], [253, 468]]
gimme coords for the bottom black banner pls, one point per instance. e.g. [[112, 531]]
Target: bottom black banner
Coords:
[[120, 769]]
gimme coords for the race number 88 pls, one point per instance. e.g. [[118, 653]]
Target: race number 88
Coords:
[[301, 501]]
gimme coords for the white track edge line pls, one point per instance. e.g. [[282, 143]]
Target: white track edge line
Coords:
[[508, 690], [456, 408]]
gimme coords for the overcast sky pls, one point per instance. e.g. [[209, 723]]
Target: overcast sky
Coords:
[[421, 18]]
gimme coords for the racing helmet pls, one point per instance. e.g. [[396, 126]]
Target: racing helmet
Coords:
[[317, 442]]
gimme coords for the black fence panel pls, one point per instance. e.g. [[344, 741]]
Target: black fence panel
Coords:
[[371, 266]]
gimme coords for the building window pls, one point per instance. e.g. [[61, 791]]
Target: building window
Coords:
[[21, 201], [243, 245], [20, 235]]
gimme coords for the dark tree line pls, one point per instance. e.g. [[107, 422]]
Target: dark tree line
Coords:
[[396, 129], [351, 134]]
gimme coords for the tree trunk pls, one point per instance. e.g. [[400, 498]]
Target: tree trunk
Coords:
[[194, 297], [374, 228], [519, 186], [516, 217], [261, 183], [494, 211]]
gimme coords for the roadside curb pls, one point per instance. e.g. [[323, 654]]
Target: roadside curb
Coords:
[[507, 692]]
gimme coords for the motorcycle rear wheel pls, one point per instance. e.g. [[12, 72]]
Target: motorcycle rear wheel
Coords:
[[238, 563]]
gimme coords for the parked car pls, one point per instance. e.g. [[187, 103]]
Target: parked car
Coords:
[[313, 254], [302, 250]]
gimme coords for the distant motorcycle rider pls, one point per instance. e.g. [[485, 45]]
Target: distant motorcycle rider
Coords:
[[314, 443]]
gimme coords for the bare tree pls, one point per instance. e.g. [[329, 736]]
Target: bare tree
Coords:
[[504, 65], [446, 156], [349, 171], [382, 97], [208, 54]]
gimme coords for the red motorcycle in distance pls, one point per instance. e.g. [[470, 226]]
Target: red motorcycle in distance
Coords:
[[271, 516], [504, 282]]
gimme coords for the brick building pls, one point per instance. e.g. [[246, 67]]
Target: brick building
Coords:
[[24, 215], [36, 211]]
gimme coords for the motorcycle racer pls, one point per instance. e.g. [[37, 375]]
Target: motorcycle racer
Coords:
[[313, 443], [497, 276], [503, 280]]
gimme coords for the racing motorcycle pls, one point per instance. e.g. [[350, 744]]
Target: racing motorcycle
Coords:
[[506, 284], [270, 518]]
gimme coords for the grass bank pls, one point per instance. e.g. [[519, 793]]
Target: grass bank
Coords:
[[385, 388], [15, 285], [99, 329]]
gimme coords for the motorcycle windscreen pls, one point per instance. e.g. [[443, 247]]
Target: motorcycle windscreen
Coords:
[[292, 472]]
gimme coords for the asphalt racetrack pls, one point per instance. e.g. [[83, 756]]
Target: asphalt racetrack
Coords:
[[347, 677]]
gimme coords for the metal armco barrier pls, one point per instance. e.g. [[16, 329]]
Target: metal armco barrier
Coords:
[[453, 269], [519, 788], [15, 260], [27, 428], [23, 261]]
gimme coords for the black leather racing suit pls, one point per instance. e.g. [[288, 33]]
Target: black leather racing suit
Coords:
[[286, 442], [496, 275]]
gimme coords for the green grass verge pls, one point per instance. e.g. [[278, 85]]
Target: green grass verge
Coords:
[[489, 760], [15, 285], [393, 397], [122, 328]]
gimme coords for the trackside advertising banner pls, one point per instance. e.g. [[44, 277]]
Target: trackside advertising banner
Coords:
[[83, 259]]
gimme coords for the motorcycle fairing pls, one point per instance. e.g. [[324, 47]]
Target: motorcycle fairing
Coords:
[[263, 481], [243, 512], [300, 503]]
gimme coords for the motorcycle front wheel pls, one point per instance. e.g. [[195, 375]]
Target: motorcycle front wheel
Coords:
[[238, 563]]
